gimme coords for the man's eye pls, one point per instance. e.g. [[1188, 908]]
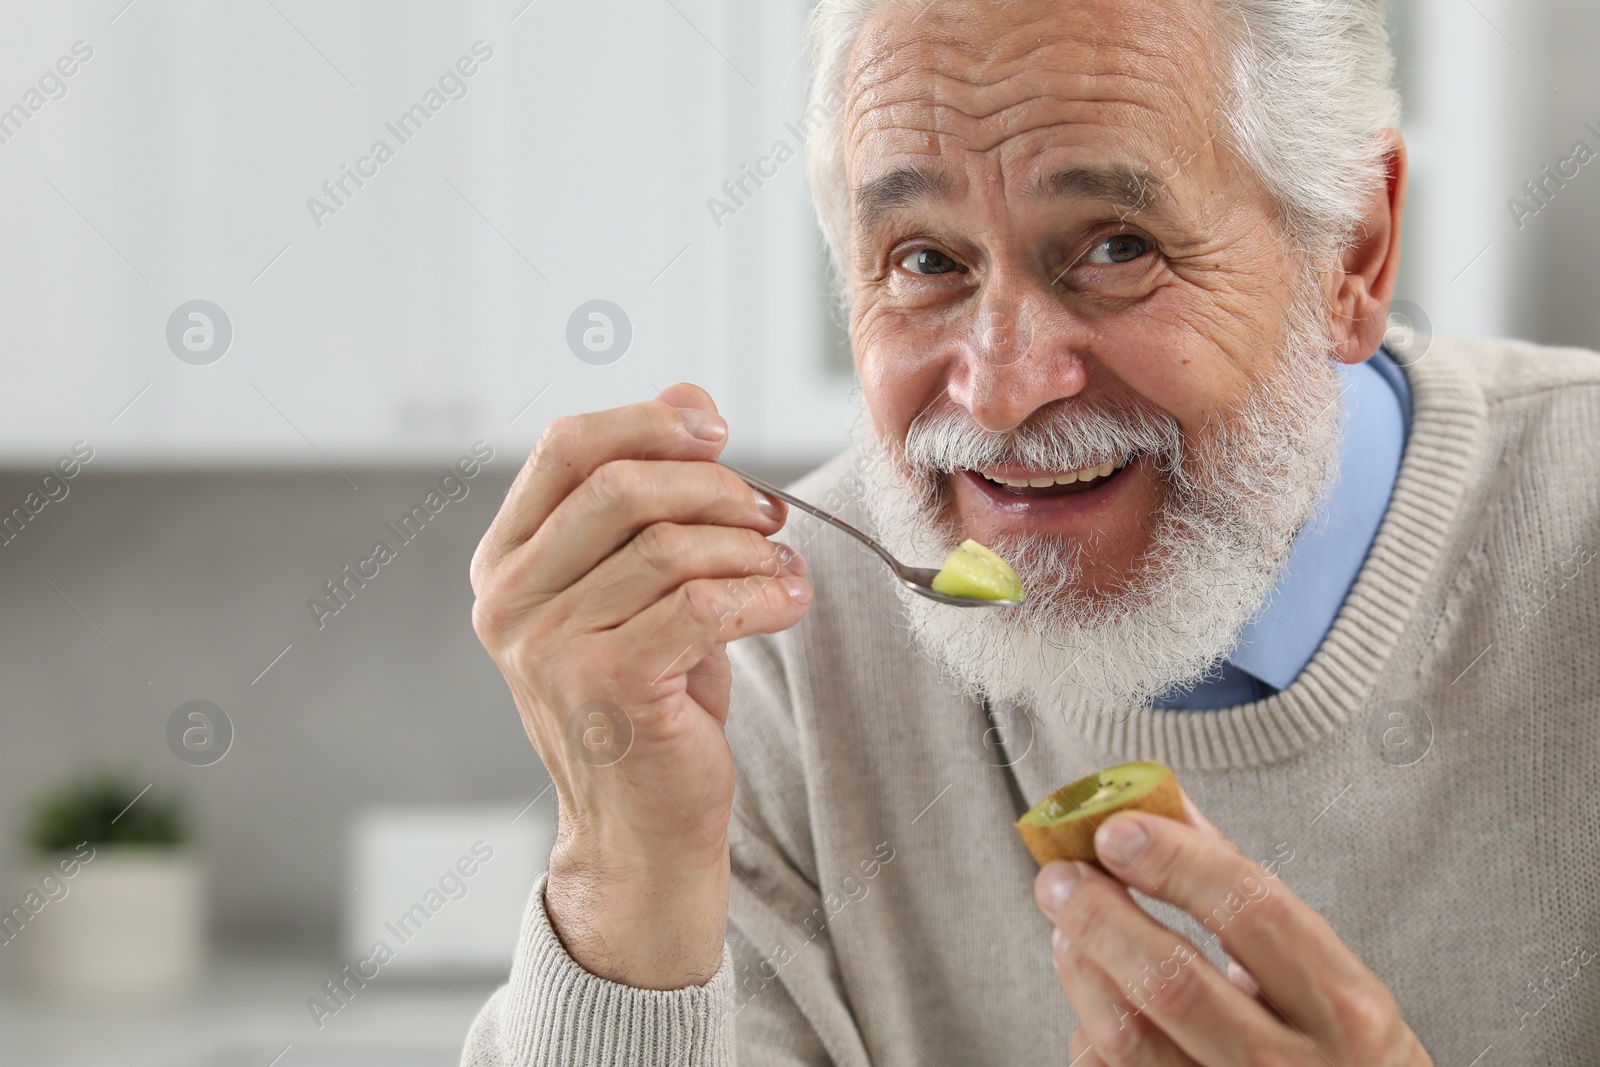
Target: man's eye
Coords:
[[929, 261], [1123, 248]]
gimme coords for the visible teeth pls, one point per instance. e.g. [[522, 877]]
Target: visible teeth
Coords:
[[1046, 480]]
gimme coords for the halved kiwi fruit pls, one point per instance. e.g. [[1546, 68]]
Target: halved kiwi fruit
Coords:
[[972, 570], [1062, 825]]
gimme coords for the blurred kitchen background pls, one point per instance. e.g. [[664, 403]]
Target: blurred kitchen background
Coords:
[[252, 380]]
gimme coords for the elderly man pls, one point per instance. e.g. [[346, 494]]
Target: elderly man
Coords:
[[1118, 277]]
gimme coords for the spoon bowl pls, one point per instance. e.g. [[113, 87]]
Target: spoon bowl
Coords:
[[918, 579]]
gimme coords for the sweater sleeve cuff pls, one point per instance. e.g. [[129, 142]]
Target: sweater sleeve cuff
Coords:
[[555, 1013]]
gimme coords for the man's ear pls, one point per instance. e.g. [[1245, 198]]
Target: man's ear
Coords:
[[1361, 300]]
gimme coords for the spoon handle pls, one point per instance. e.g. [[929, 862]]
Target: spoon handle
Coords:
[[833, 520]]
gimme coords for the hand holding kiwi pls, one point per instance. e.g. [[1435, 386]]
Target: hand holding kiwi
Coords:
[[1062, 825]]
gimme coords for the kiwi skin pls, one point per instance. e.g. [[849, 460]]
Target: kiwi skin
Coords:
[[1073, 839]]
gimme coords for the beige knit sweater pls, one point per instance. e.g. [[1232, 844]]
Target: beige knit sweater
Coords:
[[882, 909]]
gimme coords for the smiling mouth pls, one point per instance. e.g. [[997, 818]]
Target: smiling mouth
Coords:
[[1023, 484]]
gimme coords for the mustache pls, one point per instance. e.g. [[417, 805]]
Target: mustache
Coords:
[[1063, 437]]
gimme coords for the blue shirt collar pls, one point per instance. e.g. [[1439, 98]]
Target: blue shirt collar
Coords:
[[1327, 554]]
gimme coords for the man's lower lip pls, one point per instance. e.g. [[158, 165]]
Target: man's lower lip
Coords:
[[1063, 505]]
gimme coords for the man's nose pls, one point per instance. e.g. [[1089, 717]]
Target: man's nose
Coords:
[[1022, 351]]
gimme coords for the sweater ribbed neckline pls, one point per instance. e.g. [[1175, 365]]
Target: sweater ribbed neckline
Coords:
[[1435, 470]]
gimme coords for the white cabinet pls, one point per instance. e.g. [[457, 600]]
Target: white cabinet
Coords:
[[398, 211]]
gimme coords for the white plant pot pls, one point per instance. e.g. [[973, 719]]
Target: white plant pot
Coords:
[[129, 926]]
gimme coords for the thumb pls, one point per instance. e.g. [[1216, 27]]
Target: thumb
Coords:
[[696, 407], [687, 395]]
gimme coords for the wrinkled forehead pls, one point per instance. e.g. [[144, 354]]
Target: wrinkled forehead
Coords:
[[974, 87]]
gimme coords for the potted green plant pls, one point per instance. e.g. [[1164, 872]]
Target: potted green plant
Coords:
[[112, 903]]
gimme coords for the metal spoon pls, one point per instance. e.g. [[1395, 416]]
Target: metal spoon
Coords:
[[917, 579]]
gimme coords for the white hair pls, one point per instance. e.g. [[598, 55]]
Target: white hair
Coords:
[[1308, 96], [1237, 495]]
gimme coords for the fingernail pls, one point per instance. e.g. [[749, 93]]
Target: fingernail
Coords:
[[1121, 840], [792, 561], [799, 589], [1054, 886], [706, 425], [1059, 942], [765, 504]]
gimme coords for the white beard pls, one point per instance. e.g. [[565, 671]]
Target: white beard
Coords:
[[1220, 539]]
